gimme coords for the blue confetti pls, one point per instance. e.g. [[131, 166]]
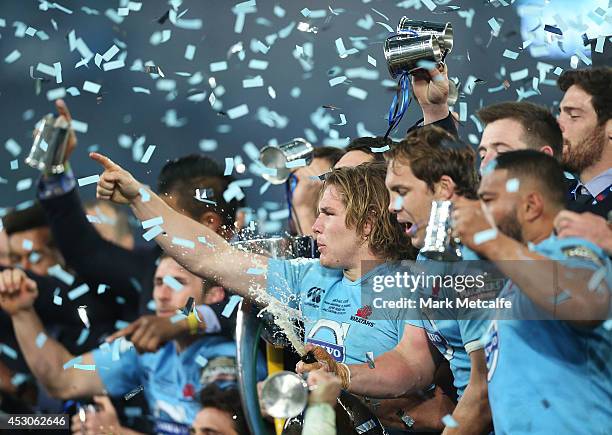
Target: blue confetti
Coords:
[[78, 292], [87, 367], [73, 361], [159, 220], [485, 236], [92, 179], [183, 242], [41, 339], [171, 282], [231, 305], [83, 336], [59, 273], [449, 421]]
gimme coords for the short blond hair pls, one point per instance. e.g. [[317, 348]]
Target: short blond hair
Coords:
[[365, 196]]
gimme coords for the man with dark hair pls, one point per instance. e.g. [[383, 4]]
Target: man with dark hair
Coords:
[[356, 237], [585, 110], [30, 241], [548, 359], [428, 165], [221, 413], [303, 188], [513, 126], [171, 377], [178, 181], [361, 150], [193, 185]]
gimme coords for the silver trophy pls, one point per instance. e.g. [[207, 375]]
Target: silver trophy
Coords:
[[278, 156], [404, 52], [417, 41], [49, 147], [284, 394], [439, 243], [443, 32]]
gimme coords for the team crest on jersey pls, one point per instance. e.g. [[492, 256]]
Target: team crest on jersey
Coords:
[[339, 331], [362, 316], [491, 350], [314, 295]]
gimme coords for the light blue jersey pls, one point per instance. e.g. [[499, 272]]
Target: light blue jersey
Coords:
[[546, 376], [334, 316], [170, 381], [454, 338]]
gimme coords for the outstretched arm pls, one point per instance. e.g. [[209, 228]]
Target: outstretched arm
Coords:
[[45, 356], [196, 247]]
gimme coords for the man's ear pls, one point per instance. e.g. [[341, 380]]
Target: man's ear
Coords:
[[214, 295], [211, 219], [444, 189], [547, 149], [533, 206]]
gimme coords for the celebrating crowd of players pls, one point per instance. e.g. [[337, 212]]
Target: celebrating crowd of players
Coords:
[[539, 207]]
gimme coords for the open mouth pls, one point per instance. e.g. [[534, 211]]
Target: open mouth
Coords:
[[409, 228]]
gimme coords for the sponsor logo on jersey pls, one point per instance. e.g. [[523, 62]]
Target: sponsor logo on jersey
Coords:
[[339, 331]]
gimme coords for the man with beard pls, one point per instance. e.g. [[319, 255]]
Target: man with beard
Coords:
[[356, 238], [585, 110], [428, 165], [548, 361]]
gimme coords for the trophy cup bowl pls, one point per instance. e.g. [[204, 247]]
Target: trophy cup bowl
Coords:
[[278, 156], [49, 147]]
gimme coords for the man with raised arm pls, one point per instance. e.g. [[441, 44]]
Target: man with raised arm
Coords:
[[428, 166], [170, 378], [355, 236]]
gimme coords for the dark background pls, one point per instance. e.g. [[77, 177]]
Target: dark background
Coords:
[[300, 91]]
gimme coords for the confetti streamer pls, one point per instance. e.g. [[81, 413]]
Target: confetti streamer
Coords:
[[78, 292], [152, 233], [152, 222], [171, 282], [231, 305], [41, 339], [92, 179], [92, 87], [485, 236]]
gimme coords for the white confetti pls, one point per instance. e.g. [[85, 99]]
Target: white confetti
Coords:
[[92, 87]]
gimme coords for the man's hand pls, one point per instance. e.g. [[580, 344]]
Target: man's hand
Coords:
[[115, 184], [104, 420], [326, 363], [149, 333], [17, 291], [470, 221], [431, 86], [587, 226], [327, 388], [64, 114], [306, 193]]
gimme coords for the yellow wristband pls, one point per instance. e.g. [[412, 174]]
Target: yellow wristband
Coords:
[[192, 322]]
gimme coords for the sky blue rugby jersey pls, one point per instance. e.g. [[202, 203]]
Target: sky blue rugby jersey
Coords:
[[547, 376], [171, 382], [334, 316], [454, 338]]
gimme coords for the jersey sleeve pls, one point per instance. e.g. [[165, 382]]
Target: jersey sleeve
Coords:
[[471, 332], [284, 278], [120, 372]]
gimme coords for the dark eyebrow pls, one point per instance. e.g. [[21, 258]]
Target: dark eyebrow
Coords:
[[570, 108], [325, 210]]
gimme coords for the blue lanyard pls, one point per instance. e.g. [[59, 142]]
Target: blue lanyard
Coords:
[[400, 103]]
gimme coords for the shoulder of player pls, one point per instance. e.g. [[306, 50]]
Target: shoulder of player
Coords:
[[573, 248]]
